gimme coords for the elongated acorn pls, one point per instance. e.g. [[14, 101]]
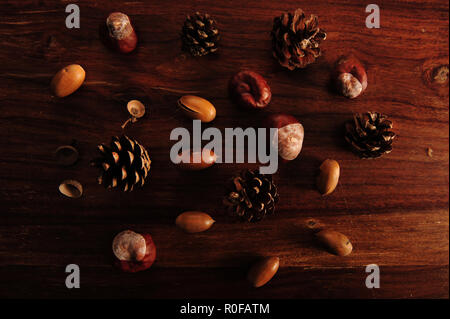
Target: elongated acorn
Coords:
[[67, 80], [194, 221], [197, 108], [328, 177], [336, 242], [263, 271], [195, 161]]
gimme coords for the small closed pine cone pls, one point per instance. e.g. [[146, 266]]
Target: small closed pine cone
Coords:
[[200, 34], [124, 164], [369, 134], [251, 196], [296, 39]]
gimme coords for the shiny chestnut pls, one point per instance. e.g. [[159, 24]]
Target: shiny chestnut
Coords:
[[350, 76], [250, 90]]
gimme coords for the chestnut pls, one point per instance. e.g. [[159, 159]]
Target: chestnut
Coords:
[[121, 32], [250, 90], [133, 252], [290, 135], [350, 76]]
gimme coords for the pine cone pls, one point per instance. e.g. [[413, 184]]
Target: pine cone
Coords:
[[296, 40], [200, 34], [251, 196], [369, 134], [124, 164]]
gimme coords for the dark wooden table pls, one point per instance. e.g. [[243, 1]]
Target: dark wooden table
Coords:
[[394, 209]]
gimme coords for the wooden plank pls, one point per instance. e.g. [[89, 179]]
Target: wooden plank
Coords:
[[394, 209]]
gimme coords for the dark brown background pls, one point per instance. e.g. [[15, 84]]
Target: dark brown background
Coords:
[[394, 209]]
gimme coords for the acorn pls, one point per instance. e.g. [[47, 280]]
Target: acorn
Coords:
[[263, 271], [194, 222], [336, 242], [68, 80], [191, 160], [328, 177]]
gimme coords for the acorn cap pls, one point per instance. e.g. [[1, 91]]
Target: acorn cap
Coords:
[[71, 188]]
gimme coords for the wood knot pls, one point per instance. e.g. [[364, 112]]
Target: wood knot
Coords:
[[313, 225], [440, 74], [435, 75]]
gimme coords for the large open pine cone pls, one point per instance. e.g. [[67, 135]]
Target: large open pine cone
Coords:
[[369, 134], [124, 164], [251, 196], [200, 34], [296, 39]]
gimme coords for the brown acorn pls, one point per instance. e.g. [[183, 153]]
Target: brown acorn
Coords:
[[336, 242], [263, 271], [194, 222]]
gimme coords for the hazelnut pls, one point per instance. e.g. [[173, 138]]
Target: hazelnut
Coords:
[[290, 135], [121, 32], [350, 76], [250, 90]]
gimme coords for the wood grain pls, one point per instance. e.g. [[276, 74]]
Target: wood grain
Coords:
[[394, 209]]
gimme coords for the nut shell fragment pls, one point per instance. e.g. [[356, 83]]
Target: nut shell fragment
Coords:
[[71, 188], [66, 155], [128, 246], [263, 271], [194, 221]]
